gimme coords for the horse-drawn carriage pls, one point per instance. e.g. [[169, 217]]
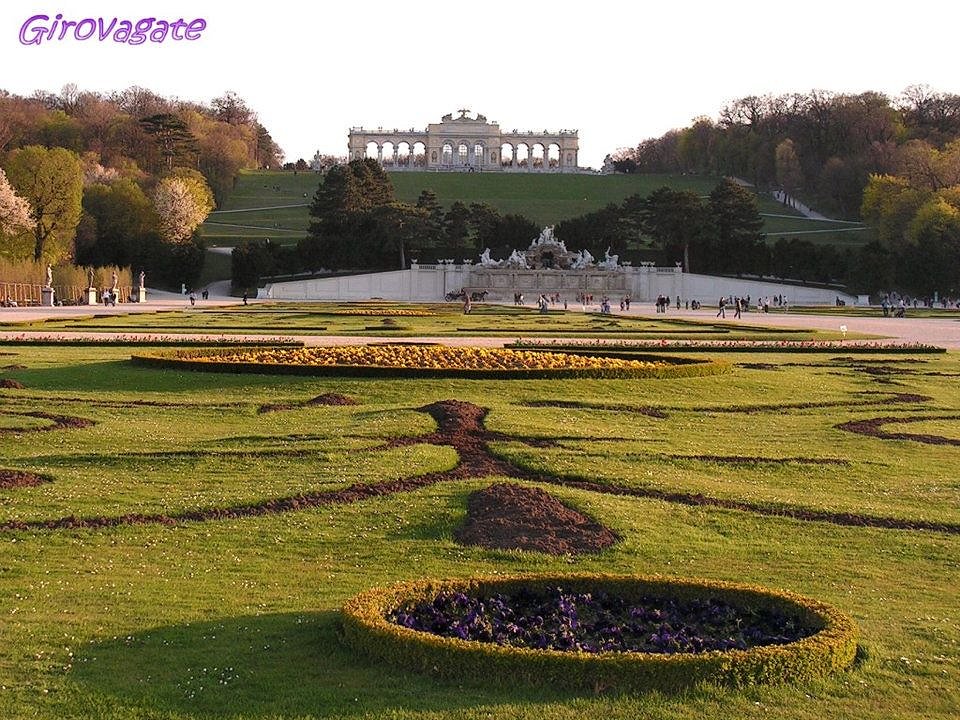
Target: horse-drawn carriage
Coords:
[[475, 296]]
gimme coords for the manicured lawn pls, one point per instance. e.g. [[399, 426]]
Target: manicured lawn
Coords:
[[237, 617], [544, 198]]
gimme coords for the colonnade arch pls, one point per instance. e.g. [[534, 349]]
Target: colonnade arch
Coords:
[[468, 143]]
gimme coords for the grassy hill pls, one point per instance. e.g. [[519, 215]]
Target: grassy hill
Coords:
[[274, 204]]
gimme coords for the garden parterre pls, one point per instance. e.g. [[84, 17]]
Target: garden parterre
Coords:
[[212, 618]]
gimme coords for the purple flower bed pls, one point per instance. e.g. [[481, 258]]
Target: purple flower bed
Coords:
[[598, 622]]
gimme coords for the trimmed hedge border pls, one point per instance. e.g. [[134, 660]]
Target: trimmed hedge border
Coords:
[[793, 346], [831, 649], [678, 368], [147, 342]]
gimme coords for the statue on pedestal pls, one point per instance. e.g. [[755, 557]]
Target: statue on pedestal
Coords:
[[90, 278], [49, 276], [142, 278]]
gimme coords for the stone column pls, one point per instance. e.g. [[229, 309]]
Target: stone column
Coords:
[[380, 154], [396, 154]]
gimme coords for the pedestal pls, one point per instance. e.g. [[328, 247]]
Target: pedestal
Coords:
[[138, 294], [91, 296], [46, 297]]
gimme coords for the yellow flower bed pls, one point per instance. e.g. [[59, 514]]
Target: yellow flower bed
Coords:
[[436, 357], [422, 361], [373, 312]]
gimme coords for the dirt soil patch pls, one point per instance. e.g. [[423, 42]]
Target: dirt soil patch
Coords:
[[20, 479], [872, 428], [59, 422], [508, 516], [332, 399], [10, 384]]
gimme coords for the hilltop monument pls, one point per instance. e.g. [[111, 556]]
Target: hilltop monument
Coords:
[[461, 143]]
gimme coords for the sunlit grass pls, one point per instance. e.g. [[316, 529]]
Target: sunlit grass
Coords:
[[238, 617]]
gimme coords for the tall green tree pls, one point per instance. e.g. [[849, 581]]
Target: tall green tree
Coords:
[[342, 232], [174, 142], [456, 224], [399, 232], [736, 227], [122, 216], [51, 180], [673, 219], [433, 226]]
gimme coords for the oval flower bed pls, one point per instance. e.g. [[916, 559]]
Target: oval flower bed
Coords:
[[426, 361], [601, 632], [383, 312]]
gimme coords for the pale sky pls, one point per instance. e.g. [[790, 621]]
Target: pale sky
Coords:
[[618, 72]]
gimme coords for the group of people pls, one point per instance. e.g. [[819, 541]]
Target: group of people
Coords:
[[893, 310], [663, 302]]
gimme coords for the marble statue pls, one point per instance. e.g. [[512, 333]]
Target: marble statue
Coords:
[[487, 261], [517, 260], [609, 262], [115, 280], [582, 261], [142, 278], [49, 276]]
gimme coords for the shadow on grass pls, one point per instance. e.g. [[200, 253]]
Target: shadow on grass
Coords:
[[122, 376], [278, 665]]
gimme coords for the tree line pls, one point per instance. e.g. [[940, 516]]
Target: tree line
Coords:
[[819, 146], [120, 179], [893, 162]]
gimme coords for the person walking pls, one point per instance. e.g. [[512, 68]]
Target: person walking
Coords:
[[722, 312]]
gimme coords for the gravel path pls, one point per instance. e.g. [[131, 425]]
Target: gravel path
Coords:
[[941, 332]]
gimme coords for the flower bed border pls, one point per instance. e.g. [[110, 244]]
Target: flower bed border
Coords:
[[679, 368], [831, 649], [144, 341], [777, 346]]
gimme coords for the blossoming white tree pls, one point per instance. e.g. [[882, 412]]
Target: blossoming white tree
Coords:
[[179, 209], [16, 223]]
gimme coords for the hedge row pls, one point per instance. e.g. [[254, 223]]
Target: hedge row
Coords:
[[830, 650], [619, 349], [677, 368], [148, 342]]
